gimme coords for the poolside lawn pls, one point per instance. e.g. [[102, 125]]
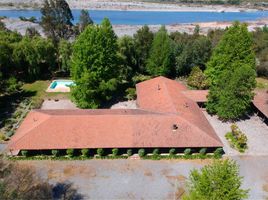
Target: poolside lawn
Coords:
[[38, 89], [262, 83]]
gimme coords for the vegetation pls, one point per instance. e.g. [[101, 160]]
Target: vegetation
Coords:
[[94, 67], [161, 58], [237, 139], [70, 152], [57, 19], [220, 180], [84, 20], [55, 153], [197, 79], [231, 74], [85, 152], [141, 152]]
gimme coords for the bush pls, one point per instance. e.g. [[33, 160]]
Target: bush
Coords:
[[197, 79], [237, 139], [203, 151], [70, 152], [218, 153], [85, 152], [115, 152], [55, 153], [25, 153], [131, 94], [156, 152], [187, 151], [172, 152], [141, 152], [100, 152], [140, 78], [3, 137], [129, 152]]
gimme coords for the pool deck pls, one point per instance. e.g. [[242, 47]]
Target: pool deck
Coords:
[[59, 88]]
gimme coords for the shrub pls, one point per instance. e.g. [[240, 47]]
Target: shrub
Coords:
[[141, 152], [203, 151], [237, 139], [172, 152], [3, 137], [70, 152], [115, 152], [187, 152], [25, 153], [218, 153], [156, 152], [197, 79], [129, 152], [140, 78], [100, 152], [55, 153], [131, 93], [85, 152]]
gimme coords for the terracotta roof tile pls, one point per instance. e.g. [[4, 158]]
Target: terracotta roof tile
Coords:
[[162, 105]]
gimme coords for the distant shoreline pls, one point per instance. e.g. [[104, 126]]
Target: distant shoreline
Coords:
[[124, 5]]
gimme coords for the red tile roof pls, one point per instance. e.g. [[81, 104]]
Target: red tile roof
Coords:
[[261, 101], [162, 105]]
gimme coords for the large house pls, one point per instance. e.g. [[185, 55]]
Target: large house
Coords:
[[168, 116]]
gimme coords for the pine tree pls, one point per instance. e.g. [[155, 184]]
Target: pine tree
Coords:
[[57, 19], [161, 58], [95, 65], [84, 20], [231, 73]]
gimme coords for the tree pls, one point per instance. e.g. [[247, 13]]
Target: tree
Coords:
[[84, 20], [128, 56], [231, 73], [195, 51], [57, 19], [34, 56], [65, 52], [143, 40], [197, 79], [31, 32], [219, 180], [95, 65], [161, 57]]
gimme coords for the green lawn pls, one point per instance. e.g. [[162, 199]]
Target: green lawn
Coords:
[[38, 91], [262, 83]]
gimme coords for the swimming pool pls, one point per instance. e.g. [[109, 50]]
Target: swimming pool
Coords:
[[60, 86]]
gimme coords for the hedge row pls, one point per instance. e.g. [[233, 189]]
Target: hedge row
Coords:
[[85, 153]]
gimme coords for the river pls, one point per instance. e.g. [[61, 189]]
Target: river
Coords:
[[150, 17]]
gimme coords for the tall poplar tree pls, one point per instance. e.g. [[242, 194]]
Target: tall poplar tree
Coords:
[[231, 73], [95, 65]]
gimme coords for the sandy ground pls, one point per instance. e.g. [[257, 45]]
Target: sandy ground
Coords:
[[254, 128], [142, 179], [121, 30], [127, 5]]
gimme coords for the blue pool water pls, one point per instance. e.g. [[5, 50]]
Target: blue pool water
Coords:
[[59, 83], [149, 17]]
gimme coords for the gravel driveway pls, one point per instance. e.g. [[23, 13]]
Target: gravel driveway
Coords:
[[254, 128], [143, 179]]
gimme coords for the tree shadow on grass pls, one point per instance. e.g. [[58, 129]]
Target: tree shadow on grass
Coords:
[[65, 191], [9, 104]]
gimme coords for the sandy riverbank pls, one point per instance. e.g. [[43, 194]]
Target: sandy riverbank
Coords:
[[121, 30], [129, 5]]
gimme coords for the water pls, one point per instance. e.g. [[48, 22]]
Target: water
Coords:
[[149, 17], [61, 83]]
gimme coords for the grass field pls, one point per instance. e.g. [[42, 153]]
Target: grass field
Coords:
[[38, 91], [262, 83]]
